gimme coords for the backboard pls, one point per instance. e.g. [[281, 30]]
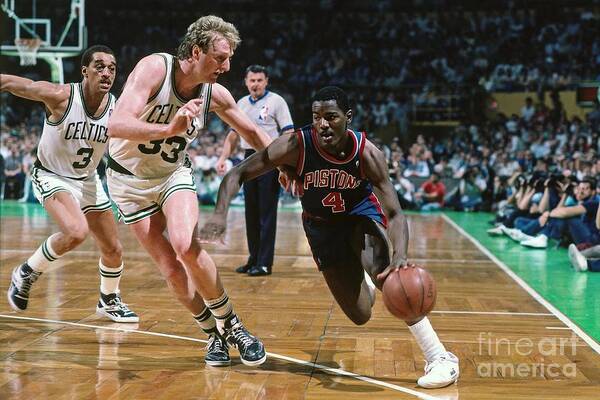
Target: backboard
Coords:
[[58, 24]]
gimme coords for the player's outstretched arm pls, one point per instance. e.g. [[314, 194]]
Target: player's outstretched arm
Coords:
[[144, 81], [283, 151], [376, 171], [224, 105], [54, 96], [229, 146]]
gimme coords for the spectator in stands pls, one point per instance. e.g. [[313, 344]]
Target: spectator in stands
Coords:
[[416, 166], [442, 168], [579, 220], [468, 195], [528, 110], [28, 161], [588, 259], [430, 195], [505, 167], [13, 172], [405, 189]]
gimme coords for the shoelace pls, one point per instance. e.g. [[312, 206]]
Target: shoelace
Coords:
[[116, 304], [240, 335], [215, 344], [429, 366], [27, 281]]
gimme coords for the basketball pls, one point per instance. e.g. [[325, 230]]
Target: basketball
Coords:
[[409, 293]]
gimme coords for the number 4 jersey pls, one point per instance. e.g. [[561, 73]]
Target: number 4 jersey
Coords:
[[335, 187], [74, 146], [160, 158]]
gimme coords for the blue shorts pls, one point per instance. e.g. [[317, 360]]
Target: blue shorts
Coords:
[[337, 242]]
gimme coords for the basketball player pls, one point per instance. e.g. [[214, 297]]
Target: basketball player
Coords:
[[347, 201], [164, 105], [64, 177], [261, 195]]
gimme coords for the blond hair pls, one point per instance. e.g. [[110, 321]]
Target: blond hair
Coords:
[[204, 32]]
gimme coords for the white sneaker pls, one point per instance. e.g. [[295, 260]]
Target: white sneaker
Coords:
[[538, 242], [497, 231], [440, 373], [515, 234], [578, 260]]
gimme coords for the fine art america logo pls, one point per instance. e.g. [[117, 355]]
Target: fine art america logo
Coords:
[[545, 358]]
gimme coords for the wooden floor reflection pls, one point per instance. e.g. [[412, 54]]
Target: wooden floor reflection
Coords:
[[59, 349]]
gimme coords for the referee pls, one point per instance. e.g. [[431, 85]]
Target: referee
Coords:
[[261, 195]]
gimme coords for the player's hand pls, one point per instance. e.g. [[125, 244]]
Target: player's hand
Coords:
[[214, 230], [543, 219], [182, 120], [221, 166], [562, 187], [394, 265], [289, 180]]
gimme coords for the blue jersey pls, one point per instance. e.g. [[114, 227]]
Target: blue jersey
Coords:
[[333, 187]]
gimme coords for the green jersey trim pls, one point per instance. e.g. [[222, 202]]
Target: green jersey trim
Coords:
[[61, 120]]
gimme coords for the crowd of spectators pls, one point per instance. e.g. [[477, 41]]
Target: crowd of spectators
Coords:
[[393, 60], [394, 57]]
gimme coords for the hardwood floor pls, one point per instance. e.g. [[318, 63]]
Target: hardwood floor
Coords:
[[510, 346]]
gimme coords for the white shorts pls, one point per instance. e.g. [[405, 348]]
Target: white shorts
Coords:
[[88, 192], [138, 198]]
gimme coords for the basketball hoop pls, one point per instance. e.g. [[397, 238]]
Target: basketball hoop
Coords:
[[28, 49]]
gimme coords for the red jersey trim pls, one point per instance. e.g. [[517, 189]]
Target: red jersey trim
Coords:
[[330, 158], [377, 204]]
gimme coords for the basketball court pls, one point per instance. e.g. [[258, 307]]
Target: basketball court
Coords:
[[522, 323], [511, 342]]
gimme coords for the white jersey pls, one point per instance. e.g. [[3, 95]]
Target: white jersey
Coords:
[[74, 146], [270, 112], [162, 157]]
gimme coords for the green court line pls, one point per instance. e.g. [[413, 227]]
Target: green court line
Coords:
[[547, 271]]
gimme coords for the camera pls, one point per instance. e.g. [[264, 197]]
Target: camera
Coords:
[[555, 180], [520, 181]]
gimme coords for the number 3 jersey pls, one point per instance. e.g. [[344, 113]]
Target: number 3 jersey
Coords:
[[160, 158], [335, 187], [74, 146]]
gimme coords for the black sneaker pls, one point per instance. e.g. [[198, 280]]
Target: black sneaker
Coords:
[[217, 351], [259, 270], [21, 280], [243, 269], [112, 307], [252, 351]]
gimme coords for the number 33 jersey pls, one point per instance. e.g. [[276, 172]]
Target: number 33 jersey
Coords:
[[160, 158], [335, 187], [73, 146]]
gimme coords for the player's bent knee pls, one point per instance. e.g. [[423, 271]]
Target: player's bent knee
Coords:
[[114, 249], [76, 234], [182, 246]]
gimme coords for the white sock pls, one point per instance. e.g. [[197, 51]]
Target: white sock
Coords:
[[206, 321], [427, 340], [221, 308], [109, 278], [43, 256]]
